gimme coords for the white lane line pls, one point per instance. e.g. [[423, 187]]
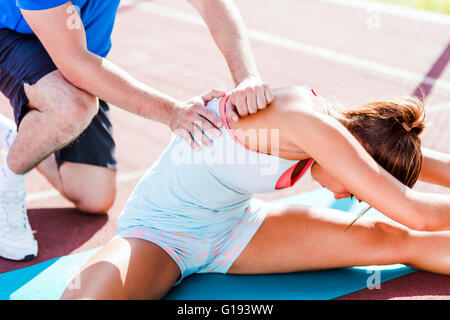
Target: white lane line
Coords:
[[47, 194], [346, 59], [271, 39], [393, 9], [445, 107], [42, 195]]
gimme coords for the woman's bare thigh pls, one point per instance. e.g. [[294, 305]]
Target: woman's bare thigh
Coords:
[[298, 238], [125, 268]]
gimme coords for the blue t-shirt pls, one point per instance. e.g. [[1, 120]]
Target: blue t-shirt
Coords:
[[97, 16]]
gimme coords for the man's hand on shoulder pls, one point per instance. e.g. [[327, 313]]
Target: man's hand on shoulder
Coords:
[[247, 98], [192, 119]]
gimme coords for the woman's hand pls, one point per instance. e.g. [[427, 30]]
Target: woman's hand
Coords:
[[192, 119], [247, 98]]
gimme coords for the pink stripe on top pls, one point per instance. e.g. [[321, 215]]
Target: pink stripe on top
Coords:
[[223, 116], [286, 180]]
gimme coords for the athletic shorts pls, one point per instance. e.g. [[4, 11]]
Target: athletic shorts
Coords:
[[199, 241], [23, 59]]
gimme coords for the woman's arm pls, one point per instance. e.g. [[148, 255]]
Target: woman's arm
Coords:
[[435, 167], [329, 143]]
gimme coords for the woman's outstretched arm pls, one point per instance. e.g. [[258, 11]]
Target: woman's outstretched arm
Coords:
[[329, 143], [435, 167]]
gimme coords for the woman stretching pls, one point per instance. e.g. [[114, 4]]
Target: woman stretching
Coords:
[[194, 212]]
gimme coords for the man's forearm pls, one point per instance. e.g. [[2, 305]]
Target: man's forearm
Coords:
[[107, 81], [227, 28]]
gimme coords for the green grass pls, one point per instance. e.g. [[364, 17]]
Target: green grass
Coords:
[[442, 6]]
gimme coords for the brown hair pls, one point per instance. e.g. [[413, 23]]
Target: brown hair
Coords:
[[389, 131]]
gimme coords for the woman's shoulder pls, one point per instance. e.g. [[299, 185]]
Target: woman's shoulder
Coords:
[[296, 99], [292, 91]]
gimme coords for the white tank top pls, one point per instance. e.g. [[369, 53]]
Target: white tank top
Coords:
[[235, 165], [222, 177]]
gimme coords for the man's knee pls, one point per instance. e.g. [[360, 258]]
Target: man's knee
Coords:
[[97, 201], [74, 108], [98, 204], [91, 188], [80, 108], [82, 105]]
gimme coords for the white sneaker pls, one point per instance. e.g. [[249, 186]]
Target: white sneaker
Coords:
[[16, 237], [8, 132]]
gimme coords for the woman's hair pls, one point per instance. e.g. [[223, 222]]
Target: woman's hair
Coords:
[[389, 131]]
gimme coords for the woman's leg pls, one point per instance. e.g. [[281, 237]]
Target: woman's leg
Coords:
[[125, 269], [298, 238]]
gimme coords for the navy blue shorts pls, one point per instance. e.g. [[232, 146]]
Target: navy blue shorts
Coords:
[[23, 59]]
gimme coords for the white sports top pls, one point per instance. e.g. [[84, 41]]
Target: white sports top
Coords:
[[235, 165], [222, 177]]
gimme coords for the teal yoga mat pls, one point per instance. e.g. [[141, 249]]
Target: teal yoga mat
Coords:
[[47, 280]]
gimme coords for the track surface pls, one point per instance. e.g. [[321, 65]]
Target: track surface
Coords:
[[350, 54]]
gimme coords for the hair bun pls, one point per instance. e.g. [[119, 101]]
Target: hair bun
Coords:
[[418, 130], [411, 114]]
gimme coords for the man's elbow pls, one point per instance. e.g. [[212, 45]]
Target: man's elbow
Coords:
[[73, 71]]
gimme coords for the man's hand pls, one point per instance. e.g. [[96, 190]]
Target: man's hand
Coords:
[[249, 96], [193, 120]]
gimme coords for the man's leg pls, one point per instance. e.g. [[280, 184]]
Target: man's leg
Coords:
[[59, 112], [50, 113], [91, 188], [85, 170]]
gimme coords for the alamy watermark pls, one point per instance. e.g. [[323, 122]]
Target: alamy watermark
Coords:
[[373, 21], [226, 151], [74, 20], [75, 282], [374, 280]]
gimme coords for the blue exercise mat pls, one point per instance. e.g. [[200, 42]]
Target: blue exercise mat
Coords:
[[47, 280]]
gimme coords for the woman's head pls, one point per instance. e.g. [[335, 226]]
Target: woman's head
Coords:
[[389, 131]]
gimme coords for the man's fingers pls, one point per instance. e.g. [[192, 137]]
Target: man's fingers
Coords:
[[250, 100], [261, 98], [194, 132], [252, 107], [210, 116], [239, 101], [209, 127], [186, 135], [213, 94], [198, 132], [231, 112], [191, 142], [268, 93]]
